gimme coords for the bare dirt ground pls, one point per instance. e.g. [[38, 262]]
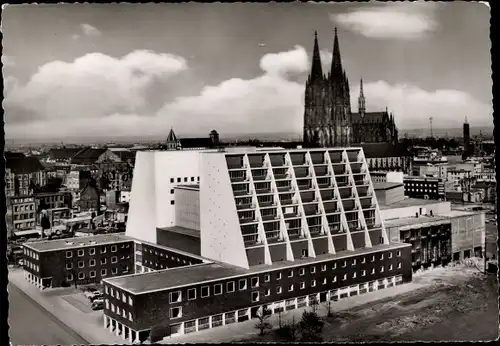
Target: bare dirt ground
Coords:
[[457, 303]]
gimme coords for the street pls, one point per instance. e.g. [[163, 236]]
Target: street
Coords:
[[31, 324]]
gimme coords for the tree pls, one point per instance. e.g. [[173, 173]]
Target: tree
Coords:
[[311, 327], [314, 304], [289, 331], [263, 315]]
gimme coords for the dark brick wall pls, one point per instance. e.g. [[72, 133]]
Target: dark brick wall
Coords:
[[255, 256], [53, 263], [158, 258], [179, 241], [154, 307], [278, 252]]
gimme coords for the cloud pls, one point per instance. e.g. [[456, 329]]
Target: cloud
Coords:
[[285, 63], [412, 106], [392, 20], [8, 61], [91, 86], [89, 30], [75, 37], [326, 59]]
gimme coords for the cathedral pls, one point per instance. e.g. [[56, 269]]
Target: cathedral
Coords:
[[328, 120]]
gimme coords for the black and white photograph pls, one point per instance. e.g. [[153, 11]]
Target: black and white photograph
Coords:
[[249, 173]]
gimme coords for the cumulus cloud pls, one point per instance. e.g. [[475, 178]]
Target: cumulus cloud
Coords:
[[8, 61], [405, 20], [89, 30], [412, 106], [294, 61], [91, 86]]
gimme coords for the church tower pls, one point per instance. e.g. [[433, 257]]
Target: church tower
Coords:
[[361, 100], [327, 115]]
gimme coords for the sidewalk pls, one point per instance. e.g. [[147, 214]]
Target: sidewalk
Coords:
[[88, 325], [242, 330]]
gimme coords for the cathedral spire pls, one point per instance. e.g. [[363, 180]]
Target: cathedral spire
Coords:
[[316, 69], [361, 100], [336, 61]]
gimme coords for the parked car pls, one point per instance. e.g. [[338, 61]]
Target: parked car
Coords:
[[97, 304], [96, 296]]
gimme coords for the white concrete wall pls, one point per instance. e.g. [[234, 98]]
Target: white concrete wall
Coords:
[[141, 222], [437, 208], [395, 177], [187, 208], [172, 164], [468, 232], [221, 238]]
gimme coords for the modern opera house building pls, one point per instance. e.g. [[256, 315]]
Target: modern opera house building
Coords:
[[219, 234]]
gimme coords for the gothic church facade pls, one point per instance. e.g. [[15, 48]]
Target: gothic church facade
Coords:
[[328, 120]]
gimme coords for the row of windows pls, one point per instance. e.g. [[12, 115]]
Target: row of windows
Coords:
[[421, 190], [31, 253], [24, 207], [117, 310], [92, 262], [176, 297], [33, 266], [115, 293], [23, 225], [24, 216], [92, 250], [162, 254], [186, 179]]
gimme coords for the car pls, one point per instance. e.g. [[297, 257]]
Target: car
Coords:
[[96, 296], [97, 304]]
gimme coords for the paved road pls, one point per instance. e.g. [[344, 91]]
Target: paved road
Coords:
[[31, 324]]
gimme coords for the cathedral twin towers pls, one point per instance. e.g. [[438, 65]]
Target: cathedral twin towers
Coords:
[[328, 121]]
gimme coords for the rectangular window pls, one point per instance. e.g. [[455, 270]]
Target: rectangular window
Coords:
[[278, 276], [92, 273], [175, 297], [172, 191], [114, 259], [267, 278], [334, 266], [172, 180], [103, 272], [92, 263], [205, 291], [390, 254], [114, 270], [399, 265], [176, 312], [373, 258], [302, 285], [354, 275], [103, 260], [69, 254], [323, 268], [344, 264], [81, 276], [230, 286], [172, 202], [118, 310], [130, 302], [130, 316], [278, 290], [255, 297], [81, 264], [217, 289], [302, 271], [363, 260], [69, 266], [113, 248], [382, 269], [112, 308], [353, 262], [103, 249], [373, 271], [267, 292], [69, 277], [313, 283], [290, 273], [80, 252], [324, 281], [381, 256], [242, 284], [398, 254], [254, 282], [290, 288], [363, 273], [390, 267], [178, 180], [92, 251], [191, 294]]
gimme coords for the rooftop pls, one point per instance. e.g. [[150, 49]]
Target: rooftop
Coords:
[[385, 185], [408, 202], [181, 230], [189, 187], [77, 242], [185, 276], [425, 220]]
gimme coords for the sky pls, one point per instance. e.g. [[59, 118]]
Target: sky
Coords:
[[140, 69]]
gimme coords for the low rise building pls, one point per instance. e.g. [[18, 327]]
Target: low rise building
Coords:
[[77, 261], [23, 213], [424, 187], [52, 200]]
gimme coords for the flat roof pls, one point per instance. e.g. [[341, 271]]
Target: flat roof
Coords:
[[189, 187], [385, 185], [78, 242], [424, 220], [180, 252], [409, 202], [181, 230], [201, 273]]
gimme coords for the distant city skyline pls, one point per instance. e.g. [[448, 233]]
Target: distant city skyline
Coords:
[[139, 70]]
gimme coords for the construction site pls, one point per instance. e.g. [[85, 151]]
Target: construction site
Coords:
[[441, 304]]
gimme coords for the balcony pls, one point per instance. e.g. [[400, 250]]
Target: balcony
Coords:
[[335, 228], [244, 206], [353, 224], [291, 215], [241, 193], [236, 166], [330, 207], [277, 160], [281, 176], [266, 204], [315, 231], [335, 156], [339, 169], [345, 192], [247, 220], [250, 239], [355, 167], [317, 158], [294, 233], [352, 156], [269, 217], [263, 191], [238, 179], [342, 183], [286, 202], [304, 187], [298, 159], [302, 172], [259, 177]]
